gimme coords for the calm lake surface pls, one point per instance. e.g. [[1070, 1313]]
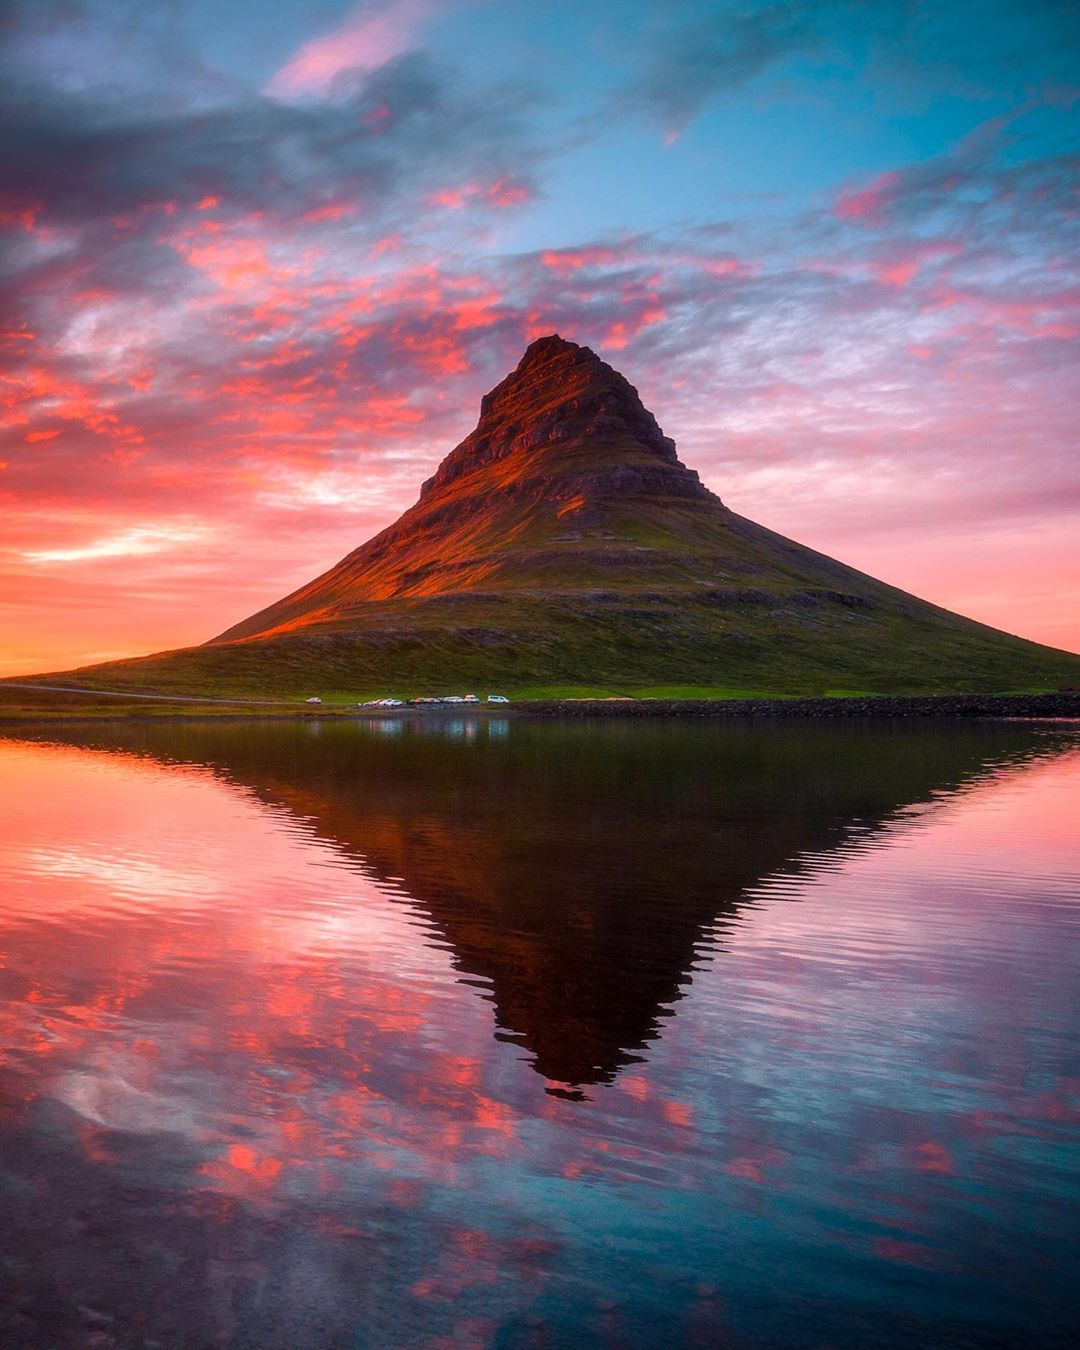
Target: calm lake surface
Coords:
[[454, 1032]]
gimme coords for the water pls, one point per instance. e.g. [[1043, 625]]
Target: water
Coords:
[[467, 1032]]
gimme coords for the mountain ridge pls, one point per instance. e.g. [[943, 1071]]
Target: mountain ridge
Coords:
[[527, 451], [564, 544]]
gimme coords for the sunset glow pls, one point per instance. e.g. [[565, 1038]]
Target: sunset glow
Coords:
[[259, 267]]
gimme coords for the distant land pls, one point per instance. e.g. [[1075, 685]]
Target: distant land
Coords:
[[563, 549]]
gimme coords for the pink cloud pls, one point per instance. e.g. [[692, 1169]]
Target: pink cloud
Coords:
[[505, 194], [453, 199], [21, 215], [1052, 316], [368, 38], [867, 203], [899, 273], [902, 263], [501, 194], [331, 212], [565, 260], [389, 243], [620, 333], [377, 118]]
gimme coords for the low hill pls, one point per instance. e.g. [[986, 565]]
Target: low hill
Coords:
[[563, 546]]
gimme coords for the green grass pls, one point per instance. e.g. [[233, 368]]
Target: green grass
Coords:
[[707, 691], [22, 708], [562, 647], [549, 691]]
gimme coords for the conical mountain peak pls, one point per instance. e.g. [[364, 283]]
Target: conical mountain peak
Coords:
[[556, 358], [560, 398], [554, 344], [564, 543]]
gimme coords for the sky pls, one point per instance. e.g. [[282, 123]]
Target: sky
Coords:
[[261, 258]]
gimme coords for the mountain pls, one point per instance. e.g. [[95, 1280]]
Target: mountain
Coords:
[[563, 543], [553, 495]]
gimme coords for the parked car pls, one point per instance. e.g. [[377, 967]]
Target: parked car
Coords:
[[470, 698], [498, 698], [313, 700]]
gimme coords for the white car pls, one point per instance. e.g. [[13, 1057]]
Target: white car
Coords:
[[498, 698], [470, 698], [313, 700]]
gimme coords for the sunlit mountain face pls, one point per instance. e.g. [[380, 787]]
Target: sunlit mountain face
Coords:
[[259, 265]]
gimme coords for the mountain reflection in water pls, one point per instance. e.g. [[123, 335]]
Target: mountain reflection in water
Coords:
[[225, 998], [579, 871]]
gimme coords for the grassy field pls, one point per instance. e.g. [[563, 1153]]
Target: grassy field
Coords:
[[533, 648], [588, 646], [25, 707]]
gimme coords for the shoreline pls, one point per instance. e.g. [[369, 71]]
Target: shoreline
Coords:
[[1061, 705], [1064, 704]]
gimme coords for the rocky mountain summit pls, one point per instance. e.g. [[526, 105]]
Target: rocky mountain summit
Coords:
[[541, 496], [561, 394], [563, 544]]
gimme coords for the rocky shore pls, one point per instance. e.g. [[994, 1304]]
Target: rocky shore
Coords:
[[1064, 704]]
